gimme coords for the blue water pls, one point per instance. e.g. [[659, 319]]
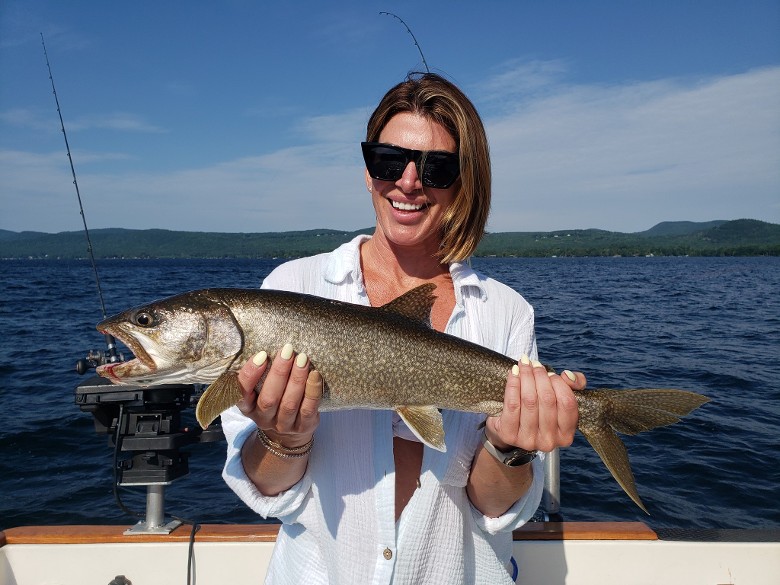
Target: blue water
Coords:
[[711, 325]]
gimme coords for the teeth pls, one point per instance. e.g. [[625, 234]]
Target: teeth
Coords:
[[406, 206]]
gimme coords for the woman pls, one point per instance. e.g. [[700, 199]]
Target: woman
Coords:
[[366, 502]]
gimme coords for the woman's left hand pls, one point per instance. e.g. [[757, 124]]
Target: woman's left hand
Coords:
[[540, 410]]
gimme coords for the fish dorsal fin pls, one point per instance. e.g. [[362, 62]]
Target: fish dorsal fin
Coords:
[[415, 304]]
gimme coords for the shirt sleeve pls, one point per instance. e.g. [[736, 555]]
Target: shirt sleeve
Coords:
[[522, 340], [522, 510], [283, 506]]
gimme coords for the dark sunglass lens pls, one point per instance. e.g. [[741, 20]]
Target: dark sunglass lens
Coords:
[[440, 170], [384, 162]]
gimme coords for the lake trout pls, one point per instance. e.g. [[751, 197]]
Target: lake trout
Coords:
[[385, 357]]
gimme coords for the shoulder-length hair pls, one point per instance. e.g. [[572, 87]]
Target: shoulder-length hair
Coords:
[[439, 100]]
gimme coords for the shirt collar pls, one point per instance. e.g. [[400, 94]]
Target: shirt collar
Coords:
[[463, 277], [344, 263]]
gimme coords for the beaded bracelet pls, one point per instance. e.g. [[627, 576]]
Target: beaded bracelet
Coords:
[[280, 450]]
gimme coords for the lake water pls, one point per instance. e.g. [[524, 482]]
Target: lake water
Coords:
[[711, 325]]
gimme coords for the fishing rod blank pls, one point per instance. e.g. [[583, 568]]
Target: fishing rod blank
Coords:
[[110, 341], [413, 37]]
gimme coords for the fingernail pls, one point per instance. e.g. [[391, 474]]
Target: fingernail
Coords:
[[287, 351], [524, 360], [515, 371], [301, 360], [570, 376], [260, 358], [550, 374], [537, 364]]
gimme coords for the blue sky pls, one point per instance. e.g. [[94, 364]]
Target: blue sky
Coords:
[[242, 116]]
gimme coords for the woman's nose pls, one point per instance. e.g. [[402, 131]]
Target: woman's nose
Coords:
[[410, 179]]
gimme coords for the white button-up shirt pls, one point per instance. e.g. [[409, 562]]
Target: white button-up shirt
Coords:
[[339, 520]]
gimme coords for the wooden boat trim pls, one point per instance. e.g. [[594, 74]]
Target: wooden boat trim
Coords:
[[92, 534], [585, 531]]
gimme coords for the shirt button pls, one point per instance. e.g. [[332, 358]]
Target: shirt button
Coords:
[[388, 554]]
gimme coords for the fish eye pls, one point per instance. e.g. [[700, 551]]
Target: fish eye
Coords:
[[143, 319]]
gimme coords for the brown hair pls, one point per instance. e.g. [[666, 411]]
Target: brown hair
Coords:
[[439, 100]]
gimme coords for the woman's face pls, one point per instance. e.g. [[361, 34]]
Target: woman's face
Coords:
[[409, 214]]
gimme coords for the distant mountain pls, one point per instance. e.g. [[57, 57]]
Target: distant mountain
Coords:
[[744, 237], [745, 230], [680, 228], [157, 243]]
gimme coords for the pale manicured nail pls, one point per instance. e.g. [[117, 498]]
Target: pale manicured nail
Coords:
[[260, 358], [301, 360], [287, 351], [515, 371], [550, 374], [537, 364], [570, 376], [524, 360]]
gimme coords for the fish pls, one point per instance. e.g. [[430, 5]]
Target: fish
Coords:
[[386, 357]]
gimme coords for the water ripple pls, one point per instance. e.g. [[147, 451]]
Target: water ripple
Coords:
[[710, 325]]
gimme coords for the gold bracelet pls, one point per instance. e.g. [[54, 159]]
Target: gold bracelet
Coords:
[[280, 450]]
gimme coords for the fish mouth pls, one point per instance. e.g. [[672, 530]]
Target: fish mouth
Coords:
[[143, 363]]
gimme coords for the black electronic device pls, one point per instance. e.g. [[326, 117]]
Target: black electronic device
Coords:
[[145, 427]]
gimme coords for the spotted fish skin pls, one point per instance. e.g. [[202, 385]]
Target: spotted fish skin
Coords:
[[385, 357]]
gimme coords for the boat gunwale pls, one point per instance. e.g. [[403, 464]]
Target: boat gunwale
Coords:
[[92, 534]]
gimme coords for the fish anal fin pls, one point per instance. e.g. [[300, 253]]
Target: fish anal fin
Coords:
[[614, 455], [223, 393], [426, 423], [415, 304]]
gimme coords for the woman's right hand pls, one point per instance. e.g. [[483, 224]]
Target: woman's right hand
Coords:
[[282, 399]]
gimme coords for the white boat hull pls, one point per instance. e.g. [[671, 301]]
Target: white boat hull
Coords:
[[548, 553]]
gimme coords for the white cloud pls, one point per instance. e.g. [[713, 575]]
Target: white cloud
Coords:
[[36, 119], [297, 188], [620, 157], [26, 118], [121, 121], [519, 80], [348, 127], [625, 157]]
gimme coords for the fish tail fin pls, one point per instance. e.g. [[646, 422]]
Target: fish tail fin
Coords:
[[223, 393], [604, 412]]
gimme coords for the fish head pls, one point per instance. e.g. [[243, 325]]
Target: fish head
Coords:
[[189, 338]]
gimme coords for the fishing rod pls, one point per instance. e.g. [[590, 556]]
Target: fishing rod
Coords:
[[156, 460], [111, 355], [551, 497], [413, 38]]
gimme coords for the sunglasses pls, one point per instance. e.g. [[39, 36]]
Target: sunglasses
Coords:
[[436, 168]]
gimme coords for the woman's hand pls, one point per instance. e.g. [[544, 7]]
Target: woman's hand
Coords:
[[540, 411], [282, 399]]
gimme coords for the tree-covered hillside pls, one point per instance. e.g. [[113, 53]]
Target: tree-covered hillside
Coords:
[[744, 237]]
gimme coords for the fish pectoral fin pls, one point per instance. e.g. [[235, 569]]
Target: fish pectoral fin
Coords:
[[223, 393], [614, 455], [426, 423]]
